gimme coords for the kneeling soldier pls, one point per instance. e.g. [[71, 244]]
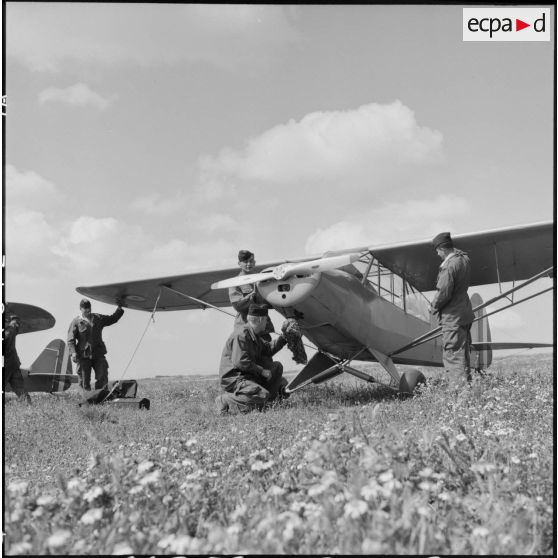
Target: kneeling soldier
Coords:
[[248, 375]]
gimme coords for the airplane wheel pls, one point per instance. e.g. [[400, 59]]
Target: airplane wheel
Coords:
[[410, 380]]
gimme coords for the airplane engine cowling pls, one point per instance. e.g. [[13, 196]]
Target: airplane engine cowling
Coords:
[[290, 291]]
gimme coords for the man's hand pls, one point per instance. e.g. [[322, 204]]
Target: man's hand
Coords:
[[74, 358], [266, 374]]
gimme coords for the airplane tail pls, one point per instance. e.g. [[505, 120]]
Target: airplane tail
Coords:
[[52, 367], [481, 340]]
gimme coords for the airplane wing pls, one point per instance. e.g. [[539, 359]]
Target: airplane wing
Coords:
[[497, 255], [505, 254], [32, 318], [178, 292]]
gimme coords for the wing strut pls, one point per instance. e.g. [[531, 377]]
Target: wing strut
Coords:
[[436, 332], [203, 303]]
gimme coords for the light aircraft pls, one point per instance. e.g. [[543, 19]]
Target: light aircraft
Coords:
[[52, 370], [365, 303]]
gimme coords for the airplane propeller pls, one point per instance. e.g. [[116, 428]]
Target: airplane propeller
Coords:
[[285, 270]]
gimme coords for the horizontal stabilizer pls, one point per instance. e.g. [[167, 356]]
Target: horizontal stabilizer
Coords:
[[319, 369], [495, 346]]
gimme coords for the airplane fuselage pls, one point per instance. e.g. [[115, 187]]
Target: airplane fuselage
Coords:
[[341, 316]]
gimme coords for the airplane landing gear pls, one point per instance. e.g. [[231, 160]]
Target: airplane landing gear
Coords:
[[410, 379]]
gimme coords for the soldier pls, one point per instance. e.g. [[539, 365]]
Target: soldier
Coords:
[[85, 343], [12, 373], [247, 372], [453, 308], [241, 297]]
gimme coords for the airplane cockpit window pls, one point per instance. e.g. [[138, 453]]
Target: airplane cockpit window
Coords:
[[392, 287]]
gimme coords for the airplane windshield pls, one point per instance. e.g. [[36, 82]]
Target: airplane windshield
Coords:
[[392, 287]]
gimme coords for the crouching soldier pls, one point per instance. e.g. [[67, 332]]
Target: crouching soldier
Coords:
[[248, 375]]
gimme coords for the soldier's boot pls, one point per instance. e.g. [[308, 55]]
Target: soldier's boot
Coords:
[[221, 405]]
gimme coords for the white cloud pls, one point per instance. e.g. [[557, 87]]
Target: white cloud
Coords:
[[28, 188], [391, 222], [45, 36], [357, 148], [79, 94], [156, 204], [351, 152]]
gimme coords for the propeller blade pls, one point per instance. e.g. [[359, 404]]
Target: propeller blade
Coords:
[[313, 266], [240, 280]]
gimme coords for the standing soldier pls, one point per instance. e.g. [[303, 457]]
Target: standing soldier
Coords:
[[241, 297], [85, 342], [12, 374], [453, 308]]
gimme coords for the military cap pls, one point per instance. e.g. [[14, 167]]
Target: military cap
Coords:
[[245, 255], [85, 303], [442, 240], [257, 310]]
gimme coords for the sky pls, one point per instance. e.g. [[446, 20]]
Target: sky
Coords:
[[144, 140]]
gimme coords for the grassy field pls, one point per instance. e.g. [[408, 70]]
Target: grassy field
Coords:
[[344, 467]]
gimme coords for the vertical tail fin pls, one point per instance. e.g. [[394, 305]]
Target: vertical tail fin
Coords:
[[480, 333], [54, 360]]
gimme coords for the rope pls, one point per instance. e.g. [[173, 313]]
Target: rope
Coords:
[[150, 319]]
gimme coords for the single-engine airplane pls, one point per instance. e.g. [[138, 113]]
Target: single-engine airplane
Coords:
[[364, 303], [51, 371]]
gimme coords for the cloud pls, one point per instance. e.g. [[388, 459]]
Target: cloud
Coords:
[[44, 37], [358, 148], [391, 222], [79, 94], [156, 204], [28, 188]]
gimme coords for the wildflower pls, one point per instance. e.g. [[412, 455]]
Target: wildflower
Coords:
[[150, 478], [425, 485], [18, 487], [424, 511], [532, 456], [75, 485], [480, 532], [483, 467], [93, 493], [91, 516], [515, 460], [163, 451], [276, 490], [144, 466], [122, 548], [191, 442], [20, 548], [45, 500], [461, 437], [386, 476], [370, 490], [58, 538], [262, 466], [355, 508], [371, 547], [426, 472]]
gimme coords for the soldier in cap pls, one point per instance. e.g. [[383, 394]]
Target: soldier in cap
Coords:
[[452, 306], [241, 297], [12, 373], [247, 373], [86, 346]]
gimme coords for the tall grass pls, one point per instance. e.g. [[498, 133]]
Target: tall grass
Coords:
[[343, 467]]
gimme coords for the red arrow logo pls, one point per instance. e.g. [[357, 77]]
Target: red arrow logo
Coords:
[[519, 25]]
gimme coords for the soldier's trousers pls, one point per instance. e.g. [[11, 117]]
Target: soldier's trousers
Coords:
[[13, 377], [99, 365], [456, 346], [247, 395]]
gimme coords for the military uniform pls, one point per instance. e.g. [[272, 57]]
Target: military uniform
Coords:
[[241, 297], [11, 374], [455, 314], [85, 340], [243, 360]]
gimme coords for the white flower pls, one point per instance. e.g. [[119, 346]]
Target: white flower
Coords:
[[91, 516], [163, 451], [262, 465], [276, 490], [386, 476], [426, 472], [480, 532], [355, 508], [515, 460], [122, 548], [461, 437], [144, 466], [45, 500], [18, 487], [191, 442], [75, 485], [58, 538], [92, 493], [150, 478], [20, 548]]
